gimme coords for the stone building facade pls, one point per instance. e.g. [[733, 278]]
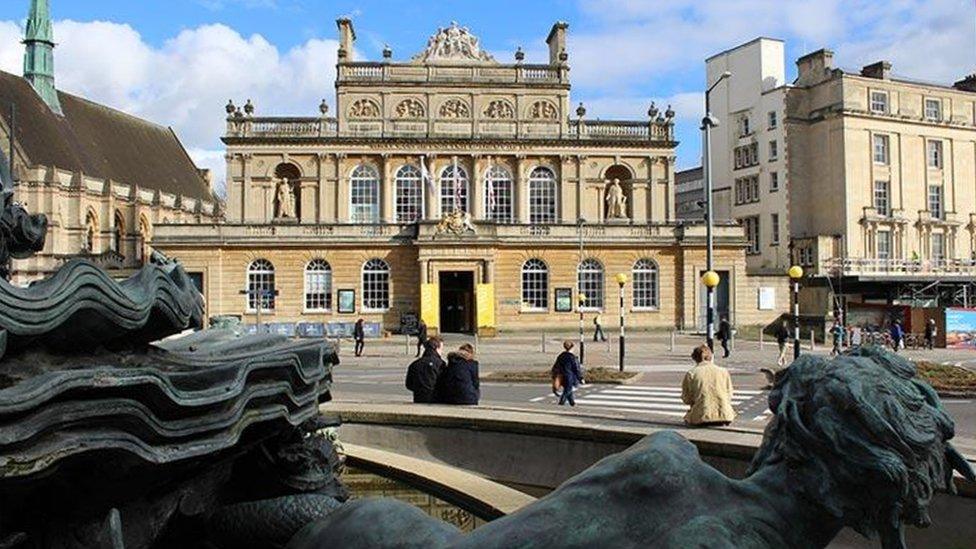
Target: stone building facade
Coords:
[[103, 178], [457, 188]]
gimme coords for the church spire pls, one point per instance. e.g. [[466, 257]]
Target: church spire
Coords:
[[39, 53]]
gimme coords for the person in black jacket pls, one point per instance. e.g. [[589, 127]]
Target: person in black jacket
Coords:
[[724, 335], [568, 368], [422, 374], [359, 336], [782, 338], [458, 383], [421, 336]]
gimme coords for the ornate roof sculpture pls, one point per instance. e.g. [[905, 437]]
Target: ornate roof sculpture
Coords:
[[453, 44]]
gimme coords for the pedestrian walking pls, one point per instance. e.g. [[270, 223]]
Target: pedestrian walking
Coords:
[[359, 336], [458, 382], [782, 338], [930, 332], [421, 336], [837, 335], [897, 335], [855, 336], [568, 369], [422, 374], [707, 388], [724, 335], [598, 328]]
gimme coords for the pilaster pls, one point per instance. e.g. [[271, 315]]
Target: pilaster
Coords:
[[476, 199], [521, 191]]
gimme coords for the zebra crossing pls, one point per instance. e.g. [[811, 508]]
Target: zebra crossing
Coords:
[[657, 400]]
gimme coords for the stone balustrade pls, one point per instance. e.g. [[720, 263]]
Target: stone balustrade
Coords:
[[908, 268], [366, 72]]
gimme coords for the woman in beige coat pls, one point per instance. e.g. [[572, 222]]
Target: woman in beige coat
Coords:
[[707, 388]]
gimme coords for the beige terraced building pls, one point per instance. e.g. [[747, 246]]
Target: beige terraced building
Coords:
[[451, 186]]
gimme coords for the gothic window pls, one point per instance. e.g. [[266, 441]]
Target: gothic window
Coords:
[[535, 285], [364, 196], [261, 285], [364, 108], [118, 232], [455, 108], [91, 232], [318, 285], [498, 195], [543, 110], [376, 285], [410, 108], [409, 195], [589, 283], [542, 196], [645, 284], [454, 189], [500, 109]]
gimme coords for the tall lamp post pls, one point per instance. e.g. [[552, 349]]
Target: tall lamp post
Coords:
[[710, 279], [622, 281], [708, 123], [796, 273], [580, 304]]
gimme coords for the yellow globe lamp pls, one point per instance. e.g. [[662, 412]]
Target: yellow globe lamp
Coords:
[[710, 279], [621, 278], [795, 272], [582, 298]]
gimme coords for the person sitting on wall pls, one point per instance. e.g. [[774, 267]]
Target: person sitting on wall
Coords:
[[458, 382], [707, 388], [422, 373]]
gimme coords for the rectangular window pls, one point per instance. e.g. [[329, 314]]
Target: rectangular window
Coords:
[[806, 256], [935, 202], [880, 149], [938, 247], [773, 181], [774, 224], [884, 244], [773, 150], [879, 102], [935, 154], [744, 128], [933, 110], [746, 155], [772, 119], [882, 197], [751, 225], [747, 189]]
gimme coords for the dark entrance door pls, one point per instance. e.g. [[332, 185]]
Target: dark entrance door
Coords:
[[457, 301], [722, 308]]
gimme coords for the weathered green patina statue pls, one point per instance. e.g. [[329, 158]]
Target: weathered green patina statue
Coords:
[[855, 441]]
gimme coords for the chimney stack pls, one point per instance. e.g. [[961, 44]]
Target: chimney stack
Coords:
[[557, 43], [966, 84], [813, 67], [880, 70], [347, 37]]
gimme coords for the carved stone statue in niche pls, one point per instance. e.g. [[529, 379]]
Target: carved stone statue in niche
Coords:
[[499, 109], [543, 110], [285, 197], [616, 201], [364, 108], [410, 108], [454, 108]]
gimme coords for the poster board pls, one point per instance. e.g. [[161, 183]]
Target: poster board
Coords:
[[960, 328]]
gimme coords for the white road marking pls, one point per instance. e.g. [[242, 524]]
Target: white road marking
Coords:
[[650, 399]]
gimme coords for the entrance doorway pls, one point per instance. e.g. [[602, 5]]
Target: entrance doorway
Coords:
[[457, 301], [722, 309]]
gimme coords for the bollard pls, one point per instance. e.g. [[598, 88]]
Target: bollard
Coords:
[[813, 343], [671, 345], [406, 343], [543, 343], [761, 342]]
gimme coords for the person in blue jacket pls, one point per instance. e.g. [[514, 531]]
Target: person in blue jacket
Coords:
[[458, 382], [897, 334], [568, 366]]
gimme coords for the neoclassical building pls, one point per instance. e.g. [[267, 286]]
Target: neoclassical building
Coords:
[[103, 178], [458, 188]]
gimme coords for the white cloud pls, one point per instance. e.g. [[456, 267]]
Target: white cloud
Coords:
[[186, 82]]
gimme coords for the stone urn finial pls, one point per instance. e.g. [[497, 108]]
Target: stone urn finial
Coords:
[[652, 112], [581, 110], [519, 55], [563, 56], [230, 108], [324, 108], [249, 108], [669, 114], [387, 52]]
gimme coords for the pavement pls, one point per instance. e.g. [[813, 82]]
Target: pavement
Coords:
[[654, 397]]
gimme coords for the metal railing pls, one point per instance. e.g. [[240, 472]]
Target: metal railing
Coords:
[[867, 266]]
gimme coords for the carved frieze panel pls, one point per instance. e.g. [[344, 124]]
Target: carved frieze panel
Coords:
[[543, 110], [364, 108], [455, 108], [409, 108], [500, 109]]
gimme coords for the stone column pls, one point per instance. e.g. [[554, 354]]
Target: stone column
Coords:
[[321, 216], [580, 186], [476, 200], [387, 213], [342, 190], [424, 271], [431, 197], [247, 210], [521, 185]]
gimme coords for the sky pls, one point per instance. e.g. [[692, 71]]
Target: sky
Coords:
[[177, 62]]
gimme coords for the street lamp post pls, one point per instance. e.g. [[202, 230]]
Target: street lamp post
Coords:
[[622, 280], [582, 301], [796, 273], [708, 123], [710, 279]]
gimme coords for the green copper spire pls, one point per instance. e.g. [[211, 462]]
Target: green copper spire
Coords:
[[39, 53]]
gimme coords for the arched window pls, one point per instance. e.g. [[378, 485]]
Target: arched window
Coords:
[[318, 285], [589, 282], [364, 196], [118, 232], [498, 195], [409, 195], [261, 285], [535, 285], [645, 284], [542, 196], [376, 285], [454, 189], [91, 232]]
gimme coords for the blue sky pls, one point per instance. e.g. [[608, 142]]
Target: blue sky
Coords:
[[178, 61]]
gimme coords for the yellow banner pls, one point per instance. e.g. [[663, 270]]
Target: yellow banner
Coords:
[[486, 305], [430, 307]]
